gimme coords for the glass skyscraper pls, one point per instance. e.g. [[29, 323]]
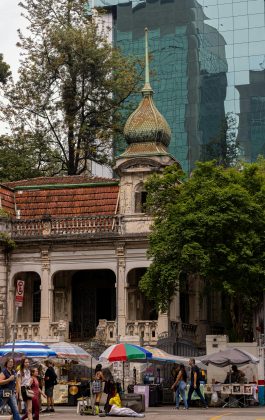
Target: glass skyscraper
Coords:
[[208, 63]]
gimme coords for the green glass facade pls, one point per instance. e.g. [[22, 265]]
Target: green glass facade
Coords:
[[208, 61]]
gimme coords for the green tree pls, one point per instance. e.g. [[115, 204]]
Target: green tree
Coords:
[[5, 72], [24, 156], [212, 225], [72, 83]]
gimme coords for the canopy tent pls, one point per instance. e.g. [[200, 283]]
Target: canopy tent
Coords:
[[162, 356], [233, 356], [71, 351], [27, 348]]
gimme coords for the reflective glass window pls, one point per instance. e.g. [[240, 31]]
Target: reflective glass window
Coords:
[[208, 60]]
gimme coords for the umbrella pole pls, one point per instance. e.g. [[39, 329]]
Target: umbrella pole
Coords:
[[14, 331], [123, 376], [91, 373]]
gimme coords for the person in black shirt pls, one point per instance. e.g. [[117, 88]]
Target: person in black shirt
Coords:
[[180, 386], [50, 379], [195, 383]]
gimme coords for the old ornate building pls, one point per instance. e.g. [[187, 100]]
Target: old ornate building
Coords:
[[81, 246]]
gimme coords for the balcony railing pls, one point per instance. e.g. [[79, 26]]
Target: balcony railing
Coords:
[[145, 331], [64, 226], [27, 330]]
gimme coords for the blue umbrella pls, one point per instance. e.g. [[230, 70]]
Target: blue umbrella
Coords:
[[28, 348]]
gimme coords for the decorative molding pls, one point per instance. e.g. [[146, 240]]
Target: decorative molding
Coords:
[[45, 259]]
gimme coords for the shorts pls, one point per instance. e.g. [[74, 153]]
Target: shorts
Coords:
[[49, 392]]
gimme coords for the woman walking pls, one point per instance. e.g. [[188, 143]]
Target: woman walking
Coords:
[[97, 386], [180, 386], [8, 381], [25, 381], [37, 392]]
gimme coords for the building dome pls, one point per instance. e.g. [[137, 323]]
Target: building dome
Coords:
[[146, 124]]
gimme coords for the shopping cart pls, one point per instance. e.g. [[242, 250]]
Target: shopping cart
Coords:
[[86, 403]]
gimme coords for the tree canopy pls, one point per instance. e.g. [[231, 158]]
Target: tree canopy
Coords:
[[72, 83], [213, 225], [4, 70]]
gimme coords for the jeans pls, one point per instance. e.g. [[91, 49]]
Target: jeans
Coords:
[[12, 402], [181, 388], [198, 392]]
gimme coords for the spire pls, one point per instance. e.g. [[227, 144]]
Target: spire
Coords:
[[147, 90], [146, 124]]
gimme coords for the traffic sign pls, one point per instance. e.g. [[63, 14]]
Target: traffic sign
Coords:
[[19, 293]]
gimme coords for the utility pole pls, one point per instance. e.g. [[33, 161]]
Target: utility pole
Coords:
[[18, 304]]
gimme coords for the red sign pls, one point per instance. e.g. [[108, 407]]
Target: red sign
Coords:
[[19, 293]]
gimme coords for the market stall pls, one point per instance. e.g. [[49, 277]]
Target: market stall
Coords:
[[74, 367], [231, 394]]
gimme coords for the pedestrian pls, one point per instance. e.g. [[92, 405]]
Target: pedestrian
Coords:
[[8, 380], [25, 380], [180, 386], [195, 383], [97, 386], [37, 392], [50, 379]]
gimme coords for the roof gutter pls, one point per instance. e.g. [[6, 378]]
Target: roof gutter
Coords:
[[64, 186]]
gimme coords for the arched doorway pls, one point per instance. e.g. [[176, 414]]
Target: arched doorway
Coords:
[[31, 309], [138, 306], [93, 298]]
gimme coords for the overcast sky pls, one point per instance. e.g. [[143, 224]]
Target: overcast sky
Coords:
[[10, 21]]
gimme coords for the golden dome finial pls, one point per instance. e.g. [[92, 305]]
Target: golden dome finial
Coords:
[[146, 124]]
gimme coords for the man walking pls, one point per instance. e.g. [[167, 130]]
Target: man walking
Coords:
[[50, 379], [195, 383]]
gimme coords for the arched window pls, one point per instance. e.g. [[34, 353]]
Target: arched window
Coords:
[[140, 199]]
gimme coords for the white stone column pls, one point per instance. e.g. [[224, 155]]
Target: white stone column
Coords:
[[163, 325], [46, 295], [120, 291]]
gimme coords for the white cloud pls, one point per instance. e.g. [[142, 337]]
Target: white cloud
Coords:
[[10, 21]]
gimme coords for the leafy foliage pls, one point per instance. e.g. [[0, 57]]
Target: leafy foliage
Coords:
[[5, 72], [212, 225], [71, 85], [24, 156]]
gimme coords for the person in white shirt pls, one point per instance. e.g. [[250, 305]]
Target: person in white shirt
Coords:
[[25, 381]]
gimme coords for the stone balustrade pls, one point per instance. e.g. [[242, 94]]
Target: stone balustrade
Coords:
[[27, 330], [146, 331], [64, 226]]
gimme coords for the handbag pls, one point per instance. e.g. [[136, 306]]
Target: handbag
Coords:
[[29, 393], [7, 393]]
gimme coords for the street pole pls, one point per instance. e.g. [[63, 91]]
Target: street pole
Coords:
[[18, 304], [14, 332]]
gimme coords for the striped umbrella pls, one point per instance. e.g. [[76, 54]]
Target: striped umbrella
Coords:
[[28, 348], [66, 350], [125, 352]]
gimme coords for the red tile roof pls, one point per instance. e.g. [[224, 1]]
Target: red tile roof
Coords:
[[7, 200], [74, 179], [61, 196]]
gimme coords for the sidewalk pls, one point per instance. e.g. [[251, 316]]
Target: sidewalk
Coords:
[[169, 413]]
